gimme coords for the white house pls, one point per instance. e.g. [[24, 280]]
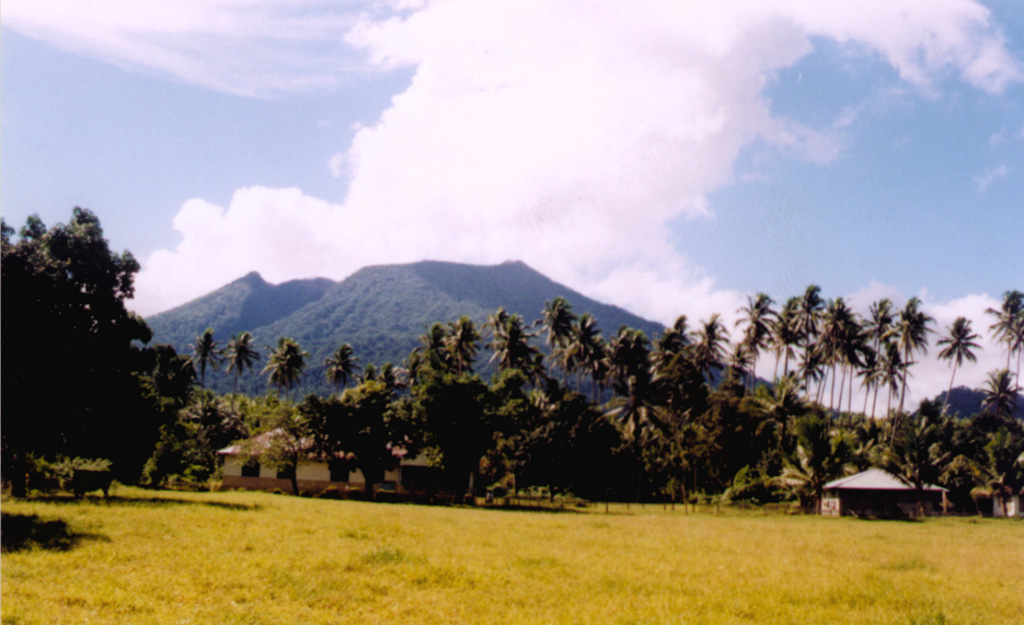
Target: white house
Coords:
[[413, 475]]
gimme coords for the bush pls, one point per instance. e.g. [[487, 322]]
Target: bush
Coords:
[[331, 492]]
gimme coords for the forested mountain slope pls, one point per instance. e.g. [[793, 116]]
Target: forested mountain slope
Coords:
[[381, 311]]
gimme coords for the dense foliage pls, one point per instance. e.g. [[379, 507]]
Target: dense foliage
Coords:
[[629, 418], [504, 404], [76, 383]]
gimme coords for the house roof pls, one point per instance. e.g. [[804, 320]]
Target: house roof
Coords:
[[875, 479], [261, 442]]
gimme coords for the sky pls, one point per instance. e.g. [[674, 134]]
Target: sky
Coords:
[[667, 157]]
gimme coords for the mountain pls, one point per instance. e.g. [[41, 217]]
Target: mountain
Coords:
[[380, 310], [965, 402]]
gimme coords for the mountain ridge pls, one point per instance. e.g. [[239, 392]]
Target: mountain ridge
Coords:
[[380, 309]]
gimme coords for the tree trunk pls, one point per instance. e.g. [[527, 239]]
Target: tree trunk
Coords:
[[19, 486], [950, 390]]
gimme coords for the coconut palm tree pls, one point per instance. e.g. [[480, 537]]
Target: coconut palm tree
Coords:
[[240, 354], [822, 456], [630, 375], [811, 307], [959, 345], [585, 344], [432, 351], [1009, 321], [340, 366], [758, 315], [557, 321], [916, 453], [786, 335], [1000, 393], [285, 364], [709, 350], [911, 334], [461, 343], [510, 343], [205, 353]]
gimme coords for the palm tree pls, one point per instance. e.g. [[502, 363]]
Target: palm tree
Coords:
[[811, 307], [461, 343], [758, 315], [822, 456], [1000, 393], [786, 334], [959, 345], [709, 349], [340, 366], [557, 320], [285, 364], [777, 406], [1009, 321], [510, 342], [205, 353], [630, 376], [916, 454], [432, 351], [240, 354], [586, 345], [911, 334]]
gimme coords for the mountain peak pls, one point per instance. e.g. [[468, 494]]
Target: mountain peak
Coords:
[[380, 310]]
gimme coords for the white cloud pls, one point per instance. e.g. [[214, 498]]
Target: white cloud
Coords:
[[247, 47], [338, 165], [985, 180], [565, 138]]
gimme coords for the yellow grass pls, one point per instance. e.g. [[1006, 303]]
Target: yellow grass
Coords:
[[149, 557]]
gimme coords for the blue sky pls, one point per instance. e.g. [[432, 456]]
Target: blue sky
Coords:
[[666, 157]]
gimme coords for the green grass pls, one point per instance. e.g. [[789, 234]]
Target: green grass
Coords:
[[151, 557]]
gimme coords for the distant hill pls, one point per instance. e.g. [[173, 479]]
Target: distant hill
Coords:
[[381, 311], [965, 402]]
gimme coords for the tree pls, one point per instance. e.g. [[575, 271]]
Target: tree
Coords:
[[204, 354], [340, 366], [64, 314], [911, 334], [959, 345], [1009, 321], [709, 350], [510, 343], [1005, 466], [786, 334], [557, 321], [240, 354], [916, 454], [822, 456], [758, 315], [457, 416], [285, 364], [461, 344], [1000, 393]]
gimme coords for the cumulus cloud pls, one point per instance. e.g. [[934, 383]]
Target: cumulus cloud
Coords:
[[569, 139]]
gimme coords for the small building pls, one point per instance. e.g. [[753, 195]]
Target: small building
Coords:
[[412, 476], [992, 503], [878, 493]]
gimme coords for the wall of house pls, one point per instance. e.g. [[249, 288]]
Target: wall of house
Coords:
[[880, 503], [311, 476], [1012, 508]]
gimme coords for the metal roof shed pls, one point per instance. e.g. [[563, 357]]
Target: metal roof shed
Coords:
[[878, 493]]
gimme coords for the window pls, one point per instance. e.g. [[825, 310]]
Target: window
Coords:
[[286, 473], [251, 469]]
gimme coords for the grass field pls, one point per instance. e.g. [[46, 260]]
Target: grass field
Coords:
[[155, 557]]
